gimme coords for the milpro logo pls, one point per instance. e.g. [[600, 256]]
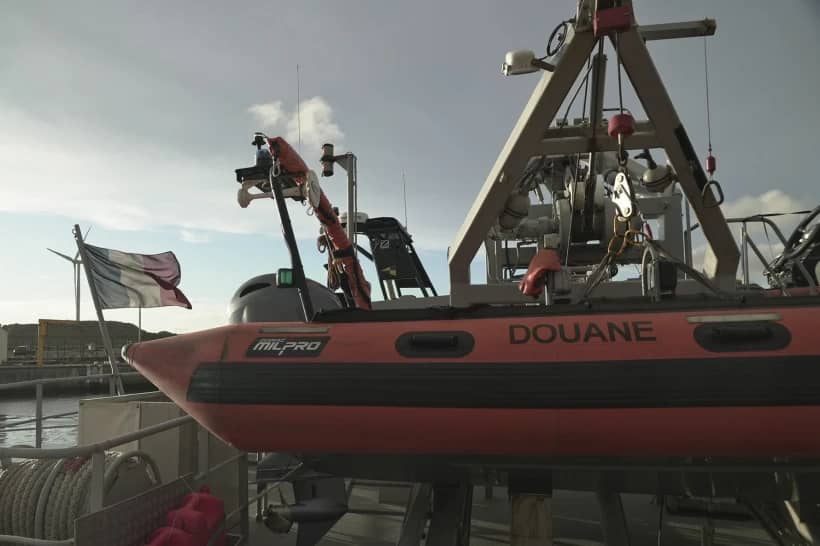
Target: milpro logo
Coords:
[[287, 346]]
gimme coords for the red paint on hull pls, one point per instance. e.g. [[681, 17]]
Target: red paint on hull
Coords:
[[759, 431]]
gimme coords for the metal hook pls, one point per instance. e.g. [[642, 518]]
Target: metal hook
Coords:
[[718, 200]]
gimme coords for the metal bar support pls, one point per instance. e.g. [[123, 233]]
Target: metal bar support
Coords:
[[596, 105], [16, 424], [54, 380], [24, 541], [80, 451], [351, 200], [38, 414], [579, 141], [744, 252], [685, 29], [293, 248], [415, 519], [452, 509], [242, 470], [613, 518], [203, 445], [762, 259], [97, 481]]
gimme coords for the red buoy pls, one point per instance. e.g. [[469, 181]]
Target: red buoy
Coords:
[[621, 125], [711, 164]]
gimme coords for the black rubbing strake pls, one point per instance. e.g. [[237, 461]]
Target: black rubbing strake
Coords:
[[773, 380]]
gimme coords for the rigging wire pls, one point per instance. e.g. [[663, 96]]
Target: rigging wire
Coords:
[[586, 88], [618, 60], [585, 85], [575, 95], [708, 110]]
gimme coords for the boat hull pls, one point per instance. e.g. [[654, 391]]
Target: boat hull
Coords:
[[687, 382]]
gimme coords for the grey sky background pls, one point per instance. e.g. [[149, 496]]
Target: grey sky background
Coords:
[[132, 116]]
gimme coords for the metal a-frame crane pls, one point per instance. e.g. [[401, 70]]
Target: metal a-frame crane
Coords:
[[534, 136]]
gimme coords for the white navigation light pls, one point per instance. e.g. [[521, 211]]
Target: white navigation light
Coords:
[[519, 61]]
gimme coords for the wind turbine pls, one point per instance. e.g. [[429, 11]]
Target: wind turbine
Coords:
[[76, 263]]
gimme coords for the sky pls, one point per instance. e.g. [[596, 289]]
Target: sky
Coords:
[[130, 117]]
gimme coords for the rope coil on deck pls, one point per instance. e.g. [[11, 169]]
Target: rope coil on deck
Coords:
[[41, 498]]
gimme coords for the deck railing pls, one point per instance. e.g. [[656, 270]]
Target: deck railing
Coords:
[[38, 384], [747, 243], [97, 451]]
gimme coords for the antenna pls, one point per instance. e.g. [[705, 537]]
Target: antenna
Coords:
[[404, 190], [298, 110]]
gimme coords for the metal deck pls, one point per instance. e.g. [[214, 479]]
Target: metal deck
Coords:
[[576, 522]]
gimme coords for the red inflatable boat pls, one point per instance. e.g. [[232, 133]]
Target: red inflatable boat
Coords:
[[693, 380]]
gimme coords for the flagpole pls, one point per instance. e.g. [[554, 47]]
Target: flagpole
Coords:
[[139, 325], [106, 338]]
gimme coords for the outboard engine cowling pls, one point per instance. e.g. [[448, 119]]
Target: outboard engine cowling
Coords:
[[260, 300]]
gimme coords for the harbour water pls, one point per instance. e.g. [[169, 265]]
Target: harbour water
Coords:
[[58, 432]]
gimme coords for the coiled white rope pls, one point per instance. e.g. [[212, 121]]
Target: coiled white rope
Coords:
[[42, 498]]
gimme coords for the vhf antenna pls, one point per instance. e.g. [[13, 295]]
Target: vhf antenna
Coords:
[[404, 190], [298, 111]]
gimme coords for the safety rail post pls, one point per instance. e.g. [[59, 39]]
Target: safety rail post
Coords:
[[97, 481], [203, 447], [38, 414], [744, 252], [244, 522]]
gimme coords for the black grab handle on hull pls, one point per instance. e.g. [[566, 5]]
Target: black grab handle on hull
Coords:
[[435, 344], [742, 336]]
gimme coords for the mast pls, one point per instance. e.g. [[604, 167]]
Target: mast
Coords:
[[106, 337]]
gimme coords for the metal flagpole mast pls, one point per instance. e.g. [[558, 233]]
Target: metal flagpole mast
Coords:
[[106, 338], [139, 325], [77, 290]]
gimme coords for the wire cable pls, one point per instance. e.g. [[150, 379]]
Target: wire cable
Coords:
[[708, 110]]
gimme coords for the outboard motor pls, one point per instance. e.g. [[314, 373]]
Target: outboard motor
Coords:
[[260, 299]]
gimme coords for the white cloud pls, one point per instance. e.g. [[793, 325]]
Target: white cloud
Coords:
[[317, 126], [312, 123], [196, 237], [268, 115], [772, 201], [88, 178]]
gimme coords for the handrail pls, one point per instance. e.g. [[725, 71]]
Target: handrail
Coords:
[[96, 452], [15, 424], [746, 240], [79, 451], [748, 219], [53, 380], [25, 541], [38, 388]]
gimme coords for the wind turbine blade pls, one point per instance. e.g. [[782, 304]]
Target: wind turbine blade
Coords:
[[60, 254]]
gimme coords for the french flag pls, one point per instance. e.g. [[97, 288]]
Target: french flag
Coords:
[[124, 279]]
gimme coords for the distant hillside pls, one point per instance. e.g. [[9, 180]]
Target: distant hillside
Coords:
[[77, 338]]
